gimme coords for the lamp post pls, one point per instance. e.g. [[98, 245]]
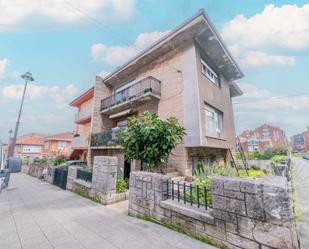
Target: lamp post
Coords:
[[27, 77]]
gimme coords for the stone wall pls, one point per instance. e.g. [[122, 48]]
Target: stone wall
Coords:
[[103, 186], [245, 214]]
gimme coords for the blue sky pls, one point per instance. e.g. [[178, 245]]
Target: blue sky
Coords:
[[66, 43]]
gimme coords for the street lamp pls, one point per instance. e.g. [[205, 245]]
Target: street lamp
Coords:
[[27, 77]]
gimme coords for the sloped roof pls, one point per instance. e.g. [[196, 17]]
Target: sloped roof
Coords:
[[65, 136], [83, 97], [31, 139]]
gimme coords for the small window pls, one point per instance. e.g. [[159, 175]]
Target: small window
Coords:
[[213, 122], [62, 145], [209, 73]]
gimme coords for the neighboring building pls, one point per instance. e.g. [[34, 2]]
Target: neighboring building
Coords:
[[189, 74], [262, 138], [306, 139], [57, 145], [29, 145], [81, 137], [298, 142]]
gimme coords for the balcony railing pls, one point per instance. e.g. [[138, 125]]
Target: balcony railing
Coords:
[[79, 142], [106, 138], [81, 115], [146, 86]]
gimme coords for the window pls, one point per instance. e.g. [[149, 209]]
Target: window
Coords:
[[46, 146], [209, 73], [62, 145], [213, 122]]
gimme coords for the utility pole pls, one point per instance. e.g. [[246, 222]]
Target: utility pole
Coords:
[[27, 77]]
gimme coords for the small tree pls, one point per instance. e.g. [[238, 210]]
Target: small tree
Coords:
[[151, 139]]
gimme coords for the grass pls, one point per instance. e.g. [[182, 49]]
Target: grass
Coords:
[[203, 239], [297, 154], [253, 173]]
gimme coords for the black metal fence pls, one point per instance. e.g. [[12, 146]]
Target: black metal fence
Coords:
[[84, 175], [194, 195], [60, 177]]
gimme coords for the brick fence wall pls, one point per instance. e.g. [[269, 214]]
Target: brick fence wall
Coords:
[[245, 213]]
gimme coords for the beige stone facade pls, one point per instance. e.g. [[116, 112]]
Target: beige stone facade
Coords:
[[184, 92]]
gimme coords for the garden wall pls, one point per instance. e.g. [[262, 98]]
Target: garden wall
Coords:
[[102, 188], [245, 214]]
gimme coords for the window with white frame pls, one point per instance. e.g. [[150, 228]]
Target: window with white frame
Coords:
[[61, 145], [213, 122], [209, 73]]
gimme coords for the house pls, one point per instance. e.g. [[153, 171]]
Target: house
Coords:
[[29, 145], [189, 74], [80, 140], [306, 139], [57, 145], [262, 138]]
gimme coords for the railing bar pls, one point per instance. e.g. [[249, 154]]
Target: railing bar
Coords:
[[167, 183], [178, 195], [205, 197], [198, 195], [191, 194], [172, 190], [184, 192]]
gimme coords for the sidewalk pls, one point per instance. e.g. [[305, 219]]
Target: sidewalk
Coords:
[[34, 214]]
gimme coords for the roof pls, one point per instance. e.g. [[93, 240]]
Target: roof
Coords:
[[31, 139], [65, 136], [83, 97], [202, 31]]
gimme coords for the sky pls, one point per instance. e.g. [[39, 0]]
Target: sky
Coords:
[[66, 43]]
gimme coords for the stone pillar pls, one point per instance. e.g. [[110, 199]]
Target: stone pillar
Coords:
[[104, 174], [72, 175]]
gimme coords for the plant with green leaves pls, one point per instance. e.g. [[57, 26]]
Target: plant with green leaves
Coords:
[[151, 139], [59, 160], [278, 159], [121, 185]]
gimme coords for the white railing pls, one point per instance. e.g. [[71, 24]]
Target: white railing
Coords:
[[79, 142]]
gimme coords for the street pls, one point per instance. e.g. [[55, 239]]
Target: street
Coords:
[[301, 173], [35, 214]]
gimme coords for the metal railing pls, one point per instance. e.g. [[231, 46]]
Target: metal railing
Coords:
[[144, 86], [84, 175], [193, 195], [106, 138]]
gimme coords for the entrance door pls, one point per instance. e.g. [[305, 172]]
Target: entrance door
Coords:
[[127, 169]]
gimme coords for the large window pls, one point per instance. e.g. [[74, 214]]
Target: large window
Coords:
[[213, 122], [209, 73], [61, 145]]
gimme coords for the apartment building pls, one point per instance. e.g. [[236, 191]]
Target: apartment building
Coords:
[[81, 136], [298, 142], [306, 139], [189, 74], [262, 138], [57, 145]]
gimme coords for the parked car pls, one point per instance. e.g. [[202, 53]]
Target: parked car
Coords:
[[74, 163], [306, 156]]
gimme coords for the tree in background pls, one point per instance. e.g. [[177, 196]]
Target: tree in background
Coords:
[[151, 139]]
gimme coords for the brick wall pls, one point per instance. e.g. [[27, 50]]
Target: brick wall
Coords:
[[245, 213]]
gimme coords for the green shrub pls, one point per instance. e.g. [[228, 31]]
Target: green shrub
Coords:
[[253, 173], [121, 185], [278, 159], [59, 160]]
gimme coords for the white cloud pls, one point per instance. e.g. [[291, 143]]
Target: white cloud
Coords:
[[259, 58], [286, 27], [3, 65], [60, 95], [116, 55], [252, 91], [14, 12], [103, 73]]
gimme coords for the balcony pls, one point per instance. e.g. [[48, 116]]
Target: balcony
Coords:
[[83, 117], [79, 143], [142, 91], [107, 139]]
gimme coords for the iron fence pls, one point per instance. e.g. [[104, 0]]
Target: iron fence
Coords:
[[84, 175], [60, 177], [106, 138], [191, 194]]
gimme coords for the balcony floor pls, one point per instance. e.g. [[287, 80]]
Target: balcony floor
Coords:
[[131, 103]]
